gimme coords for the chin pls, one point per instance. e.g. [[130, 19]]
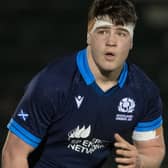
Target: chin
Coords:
[[108, 70]]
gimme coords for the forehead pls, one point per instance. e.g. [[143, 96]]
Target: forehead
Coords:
[[103, 24]]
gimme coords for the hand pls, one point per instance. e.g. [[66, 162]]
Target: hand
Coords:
[[127, 154]]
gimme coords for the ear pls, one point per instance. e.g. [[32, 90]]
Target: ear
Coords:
[[131, 45], [88, 38]]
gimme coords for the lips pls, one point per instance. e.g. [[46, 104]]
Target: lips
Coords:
[[109, 54]]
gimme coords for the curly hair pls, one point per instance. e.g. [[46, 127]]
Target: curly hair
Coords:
[[120, 11]]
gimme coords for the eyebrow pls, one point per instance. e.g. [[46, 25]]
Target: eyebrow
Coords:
[[122, 29], [109, 27], [103, 27]]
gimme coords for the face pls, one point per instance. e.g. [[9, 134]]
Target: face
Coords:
[[109, 45]]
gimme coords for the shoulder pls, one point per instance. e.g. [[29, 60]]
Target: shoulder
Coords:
[[56, 75], [59, 70], [139, 80]]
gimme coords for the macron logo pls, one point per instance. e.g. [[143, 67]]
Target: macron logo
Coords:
[[79, 100], [23, 115], [80, 132]]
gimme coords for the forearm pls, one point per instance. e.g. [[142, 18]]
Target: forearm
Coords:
[[151, 158]]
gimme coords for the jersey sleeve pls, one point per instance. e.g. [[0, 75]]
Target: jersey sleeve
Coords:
[[151, 119], [33, 114]]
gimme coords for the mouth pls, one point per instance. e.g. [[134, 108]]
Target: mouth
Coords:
[[109, 55]]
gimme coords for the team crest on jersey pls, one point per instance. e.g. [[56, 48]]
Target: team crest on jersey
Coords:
[[126, 105]]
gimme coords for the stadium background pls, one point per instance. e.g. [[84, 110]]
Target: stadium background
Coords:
[[33, 33]]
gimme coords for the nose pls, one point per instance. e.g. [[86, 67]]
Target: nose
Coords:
[[111, 40]]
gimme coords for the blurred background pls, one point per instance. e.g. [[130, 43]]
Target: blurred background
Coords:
[[33, 33]]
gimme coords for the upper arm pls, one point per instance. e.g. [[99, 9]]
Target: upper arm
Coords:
[[34, 112], [148, 132], [152, 144], [152, 151], [14, 146]]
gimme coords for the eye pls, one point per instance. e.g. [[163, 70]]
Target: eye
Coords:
[[122, 34], [103, 32]]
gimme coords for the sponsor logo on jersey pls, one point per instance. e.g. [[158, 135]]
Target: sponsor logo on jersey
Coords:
[[80, 132], [23, 115], [79, 100], [126, 107], [79, 140]]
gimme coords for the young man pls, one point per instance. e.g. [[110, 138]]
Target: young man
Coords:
[[86, 107]]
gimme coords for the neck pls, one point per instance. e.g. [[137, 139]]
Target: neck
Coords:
[[105, 79]]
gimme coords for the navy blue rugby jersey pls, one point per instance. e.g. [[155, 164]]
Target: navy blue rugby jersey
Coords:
[[64, 105]]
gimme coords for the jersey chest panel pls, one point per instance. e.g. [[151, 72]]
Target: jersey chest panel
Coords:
[[89, 115]]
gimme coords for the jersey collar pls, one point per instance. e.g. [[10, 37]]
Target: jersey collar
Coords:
[[86, 73]]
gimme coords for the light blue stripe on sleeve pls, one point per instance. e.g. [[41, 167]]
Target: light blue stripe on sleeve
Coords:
[[149, 126], [22, 133]]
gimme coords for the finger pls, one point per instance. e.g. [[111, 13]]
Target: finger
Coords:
[[125, 166], [118, 138], [126, 161], [122, 143], [125, 153], [124, 146]]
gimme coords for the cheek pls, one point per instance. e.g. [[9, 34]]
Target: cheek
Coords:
[[97, 44], [93, 41], [125, 47], [90, 38]]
